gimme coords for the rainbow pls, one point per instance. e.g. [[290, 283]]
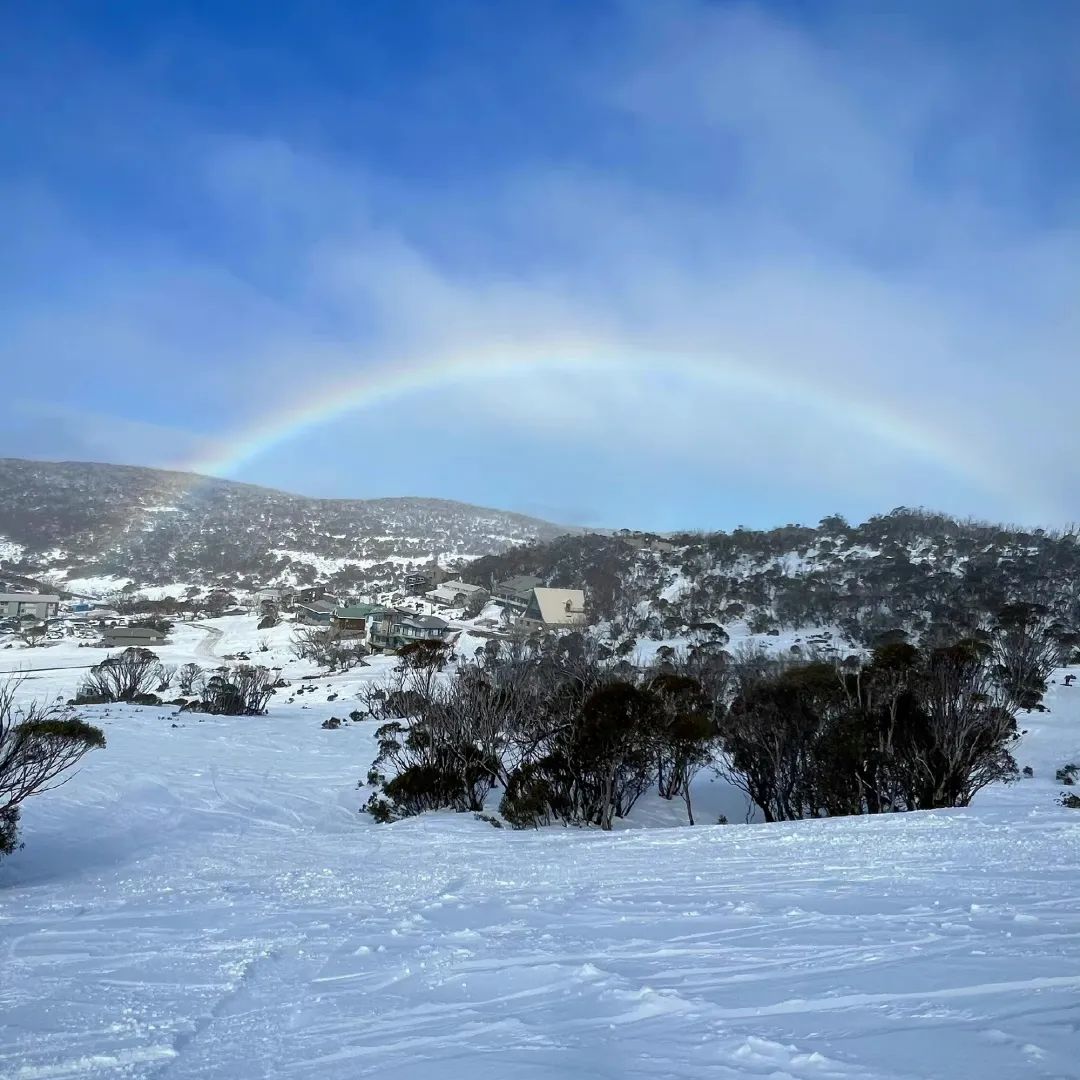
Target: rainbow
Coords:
[[380, 384]]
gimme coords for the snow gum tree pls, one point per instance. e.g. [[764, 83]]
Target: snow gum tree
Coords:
[[126, 676], [38, 745]]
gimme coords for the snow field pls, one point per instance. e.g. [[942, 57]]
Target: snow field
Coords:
[[204, 901]]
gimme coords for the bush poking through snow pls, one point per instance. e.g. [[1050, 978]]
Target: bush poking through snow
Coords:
[[912, 730], [426, 773], [476, 603], [38, 743], [427, 656], [323, 648], [574, 735], [1067, 774], [127, 676], [239, 690], [187, 678]]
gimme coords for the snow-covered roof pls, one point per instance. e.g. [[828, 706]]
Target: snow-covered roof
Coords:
[[323, 607], [559, 607], [448, 590], [427, 622]]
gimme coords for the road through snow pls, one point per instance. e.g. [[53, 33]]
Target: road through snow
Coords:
[[207, 648]]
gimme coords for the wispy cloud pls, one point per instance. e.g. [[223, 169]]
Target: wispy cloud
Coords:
[[47, 430], [882, 213]]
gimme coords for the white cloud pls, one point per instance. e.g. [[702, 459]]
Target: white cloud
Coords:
[[818, 206]]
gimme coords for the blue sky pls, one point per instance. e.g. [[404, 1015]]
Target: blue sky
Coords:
[[215, 212]]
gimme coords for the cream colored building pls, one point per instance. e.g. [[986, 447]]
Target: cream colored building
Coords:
[[554, 608]]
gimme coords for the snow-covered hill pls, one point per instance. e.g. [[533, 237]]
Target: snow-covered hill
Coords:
[[203, 900], [101, 526], [908, 570]]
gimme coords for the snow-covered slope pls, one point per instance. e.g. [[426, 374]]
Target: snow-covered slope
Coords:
[[910, 571], [204, 901], [89, 523]]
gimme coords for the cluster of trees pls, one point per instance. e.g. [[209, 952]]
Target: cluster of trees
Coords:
[[38, 744], [571, 733], [327, 649], [136, 676], [909, 730], [929, 575]]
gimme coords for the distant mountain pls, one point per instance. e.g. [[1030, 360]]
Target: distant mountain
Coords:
[[906, 572], [82, 520]]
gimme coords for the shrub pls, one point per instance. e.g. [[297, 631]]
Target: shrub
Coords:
[[1067, 774], [403, 703], [38, 743], [187, 676], [599, 764], [424, 655], [476, 603], [686, 737], [539, 793], [912, 730], [240, 690], [426, 774], [124, 676], [574, 733], [322, 648]]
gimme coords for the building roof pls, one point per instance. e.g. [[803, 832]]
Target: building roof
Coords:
[[428, 622], [135, 631], [461, 586], [321, 607], [29, 598], [449, 589], [561, 607], [357, 611], [520, 583]]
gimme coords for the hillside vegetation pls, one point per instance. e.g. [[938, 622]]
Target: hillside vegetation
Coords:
[[910, 571], [82, 520]]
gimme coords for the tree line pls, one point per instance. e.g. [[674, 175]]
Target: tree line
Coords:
[[571, 733]]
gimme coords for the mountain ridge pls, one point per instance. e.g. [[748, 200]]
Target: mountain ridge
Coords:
[[78, 520], [207, 478]]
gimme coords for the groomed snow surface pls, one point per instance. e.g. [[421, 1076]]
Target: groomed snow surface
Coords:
[[203, 900]]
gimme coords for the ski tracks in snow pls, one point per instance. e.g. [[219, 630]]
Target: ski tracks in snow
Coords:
[[273, 934], [207, 648]]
